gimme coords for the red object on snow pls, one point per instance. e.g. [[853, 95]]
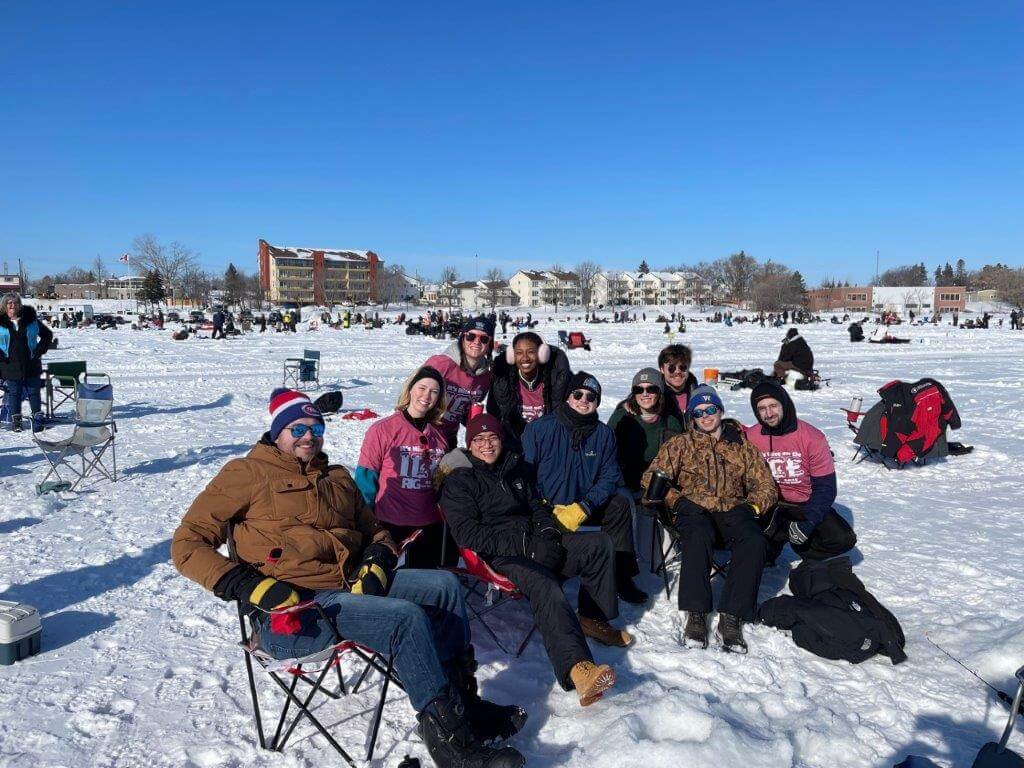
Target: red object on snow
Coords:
[[362, 415]]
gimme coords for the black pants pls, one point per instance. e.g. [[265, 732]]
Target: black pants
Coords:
[[736, 531], [217, 329], [615, 517], [833, 536], [425, 552], [589, 556]]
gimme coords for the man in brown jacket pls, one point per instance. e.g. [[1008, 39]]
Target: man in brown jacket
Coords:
[[302, 531], [720, 485]]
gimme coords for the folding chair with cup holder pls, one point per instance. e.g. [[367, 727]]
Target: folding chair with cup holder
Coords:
[[298, 670], [93, 433], [305, 370]]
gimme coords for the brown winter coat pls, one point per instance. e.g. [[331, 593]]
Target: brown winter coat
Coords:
[[314, 515], [715, 473]]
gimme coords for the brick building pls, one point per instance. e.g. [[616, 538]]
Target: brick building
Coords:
[[922, 300], [318, 275]]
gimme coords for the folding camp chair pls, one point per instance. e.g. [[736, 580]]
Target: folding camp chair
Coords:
[[663, 555], [61, 383], [92, 435], [299, 670], [303, 370], [480, 580], [563, 339], [577, 340]]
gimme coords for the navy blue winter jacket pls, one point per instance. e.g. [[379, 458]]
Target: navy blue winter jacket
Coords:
[[589, 475]]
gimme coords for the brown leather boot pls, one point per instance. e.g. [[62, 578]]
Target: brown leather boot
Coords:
[[605, 633], [591, 681]]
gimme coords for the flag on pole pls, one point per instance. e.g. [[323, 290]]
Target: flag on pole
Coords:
[[125, 258]]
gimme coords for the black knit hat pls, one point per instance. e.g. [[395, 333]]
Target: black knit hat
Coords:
[[427, 372], [584, 380]]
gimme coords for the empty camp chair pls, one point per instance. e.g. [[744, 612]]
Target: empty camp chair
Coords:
[[578, 341], [563, 339], [61, 381], [305, 370], [304, 670], [92, 435]]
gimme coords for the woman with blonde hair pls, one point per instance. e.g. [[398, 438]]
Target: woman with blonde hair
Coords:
[[396, 466]]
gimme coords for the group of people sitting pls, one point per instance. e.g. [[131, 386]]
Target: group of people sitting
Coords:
[[541, 490]]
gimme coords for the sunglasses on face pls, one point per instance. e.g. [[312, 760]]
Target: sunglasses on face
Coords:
[[299, 430], [646, 391], [711, 410], [675, 368], [473, 336], [582, 394]]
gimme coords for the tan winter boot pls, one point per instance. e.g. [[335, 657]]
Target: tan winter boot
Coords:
[[591, 681], [605, 633]]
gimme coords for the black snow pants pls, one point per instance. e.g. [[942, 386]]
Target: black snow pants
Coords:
[[589, 556], [737, 531], [833, 536], [615, 517]]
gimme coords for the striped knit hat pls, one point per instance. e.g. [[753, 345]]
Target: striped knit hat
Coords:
[[288, 405]]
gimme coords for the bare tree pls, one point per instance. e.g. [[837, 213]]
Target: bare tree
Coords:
[[738, 271], [171, 261], [494, 279], [448, 292], [392, 285], [99, 269], [195, 284], [586, 276]]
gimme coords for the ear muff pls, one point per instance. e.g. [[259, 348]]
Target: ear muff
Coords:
[[543, 354]]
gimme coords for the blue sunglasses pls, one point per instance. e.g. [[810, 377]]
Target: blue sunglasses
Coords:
[[711, 410], [299, 430]]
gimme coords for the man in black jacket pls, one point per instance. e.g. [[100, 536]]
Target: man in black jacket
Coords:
[[674, 362], [530, 379], [24, 339], [795, 355], [492, 507]]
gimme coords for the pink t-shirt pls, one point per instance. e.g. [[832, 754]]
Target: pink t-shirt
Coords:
[[794, 458], [682, 400], [532, 401], [405, 459], [462, 390]]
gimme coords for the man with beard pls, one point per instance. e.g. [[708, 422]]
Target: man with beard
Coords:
[[801, 463], [577, 468]]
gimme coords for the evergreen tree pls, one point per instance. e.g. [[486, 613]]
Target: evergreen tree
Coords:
[[947, 274], [152, 290], [799, 286], [938, 275], [960, 276], [643, 269], [234, 284]]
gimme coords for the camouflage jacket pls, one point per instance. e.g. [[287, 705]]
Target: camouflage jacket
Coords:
[[715, 473]]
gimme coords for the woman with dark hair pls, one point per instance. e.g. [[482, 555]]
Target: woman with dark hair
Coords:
[[641, 423], [465, 368], [395, 472]]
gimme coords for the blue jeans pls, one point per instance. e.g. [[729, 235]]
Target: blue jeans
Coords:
[[18, 390], [420, 624]]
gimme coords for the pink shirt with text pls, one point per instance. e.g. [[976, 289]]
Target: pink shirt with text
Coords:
[[532, 401], [462, 390], [794, 458]]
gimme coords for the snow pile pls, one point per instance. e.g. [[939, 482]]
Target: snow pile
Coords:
[[140, 666]]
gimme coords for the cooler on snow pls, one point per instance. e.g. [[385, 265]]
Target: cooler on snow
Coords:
[[21, 632]]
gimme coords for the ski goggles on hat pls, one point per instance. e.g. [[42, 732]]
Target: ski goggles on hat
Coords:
[[584, 394], [474, 335], [710, 410], [299, 430], [646, 390]]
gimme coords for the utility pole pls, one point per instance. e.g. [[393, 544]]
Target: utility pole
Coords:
[[876, 268], [476, 266]]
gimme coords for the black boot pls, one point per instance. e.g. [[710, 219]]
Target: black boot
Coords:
[[445, 731], [625, 570], [488, 721], [696, 632], [730, 633]]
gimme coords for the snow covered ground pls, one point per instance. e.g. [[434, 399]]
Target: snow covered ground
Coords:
[[140, 667]]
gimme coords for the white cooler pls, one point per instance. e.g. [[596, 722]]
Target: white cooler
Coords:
[[20, 631]]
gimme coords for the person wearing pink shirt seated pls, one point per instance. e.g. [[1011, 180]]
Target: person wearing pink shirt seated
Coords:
[[395, 472], [801, 463], [466, 369]]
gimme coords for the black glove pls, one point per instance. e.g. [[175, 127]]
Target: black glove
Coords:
[[245, 583], [684, 506], [745, 506], [375, 571], [545, 548]]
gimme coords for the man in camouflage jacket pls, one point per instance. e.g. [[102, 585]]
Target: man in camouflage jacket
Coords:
[[720, 485]]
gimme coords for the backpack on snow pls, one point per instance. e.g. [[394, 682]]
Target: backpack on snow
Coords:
[[329, 402], [908, 424]]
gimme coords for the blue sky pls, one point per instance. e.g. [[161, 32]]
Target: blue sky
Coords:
[[528, 133]]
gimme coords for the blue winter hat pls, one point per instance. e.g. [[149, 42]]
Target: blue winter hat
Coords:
[[288, 405], [703, 395]]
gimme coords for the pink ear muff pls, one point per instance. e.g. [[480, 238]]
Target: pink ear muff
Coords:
[[543, 354]]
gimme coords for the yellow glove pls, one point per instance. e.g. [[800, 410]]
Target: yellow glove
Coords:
[[371, 580], [273, 595], [569, 517]]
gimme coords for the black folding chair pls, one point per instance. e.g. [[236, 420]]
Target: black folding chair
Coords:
[[664, 556], [298, 670]]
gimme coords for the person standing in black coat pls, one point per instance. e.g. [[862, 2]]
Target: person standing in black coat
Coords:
[[530, 379], [24, 339], [795, 355], [218, 325], [492, 507], [674, 363]]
